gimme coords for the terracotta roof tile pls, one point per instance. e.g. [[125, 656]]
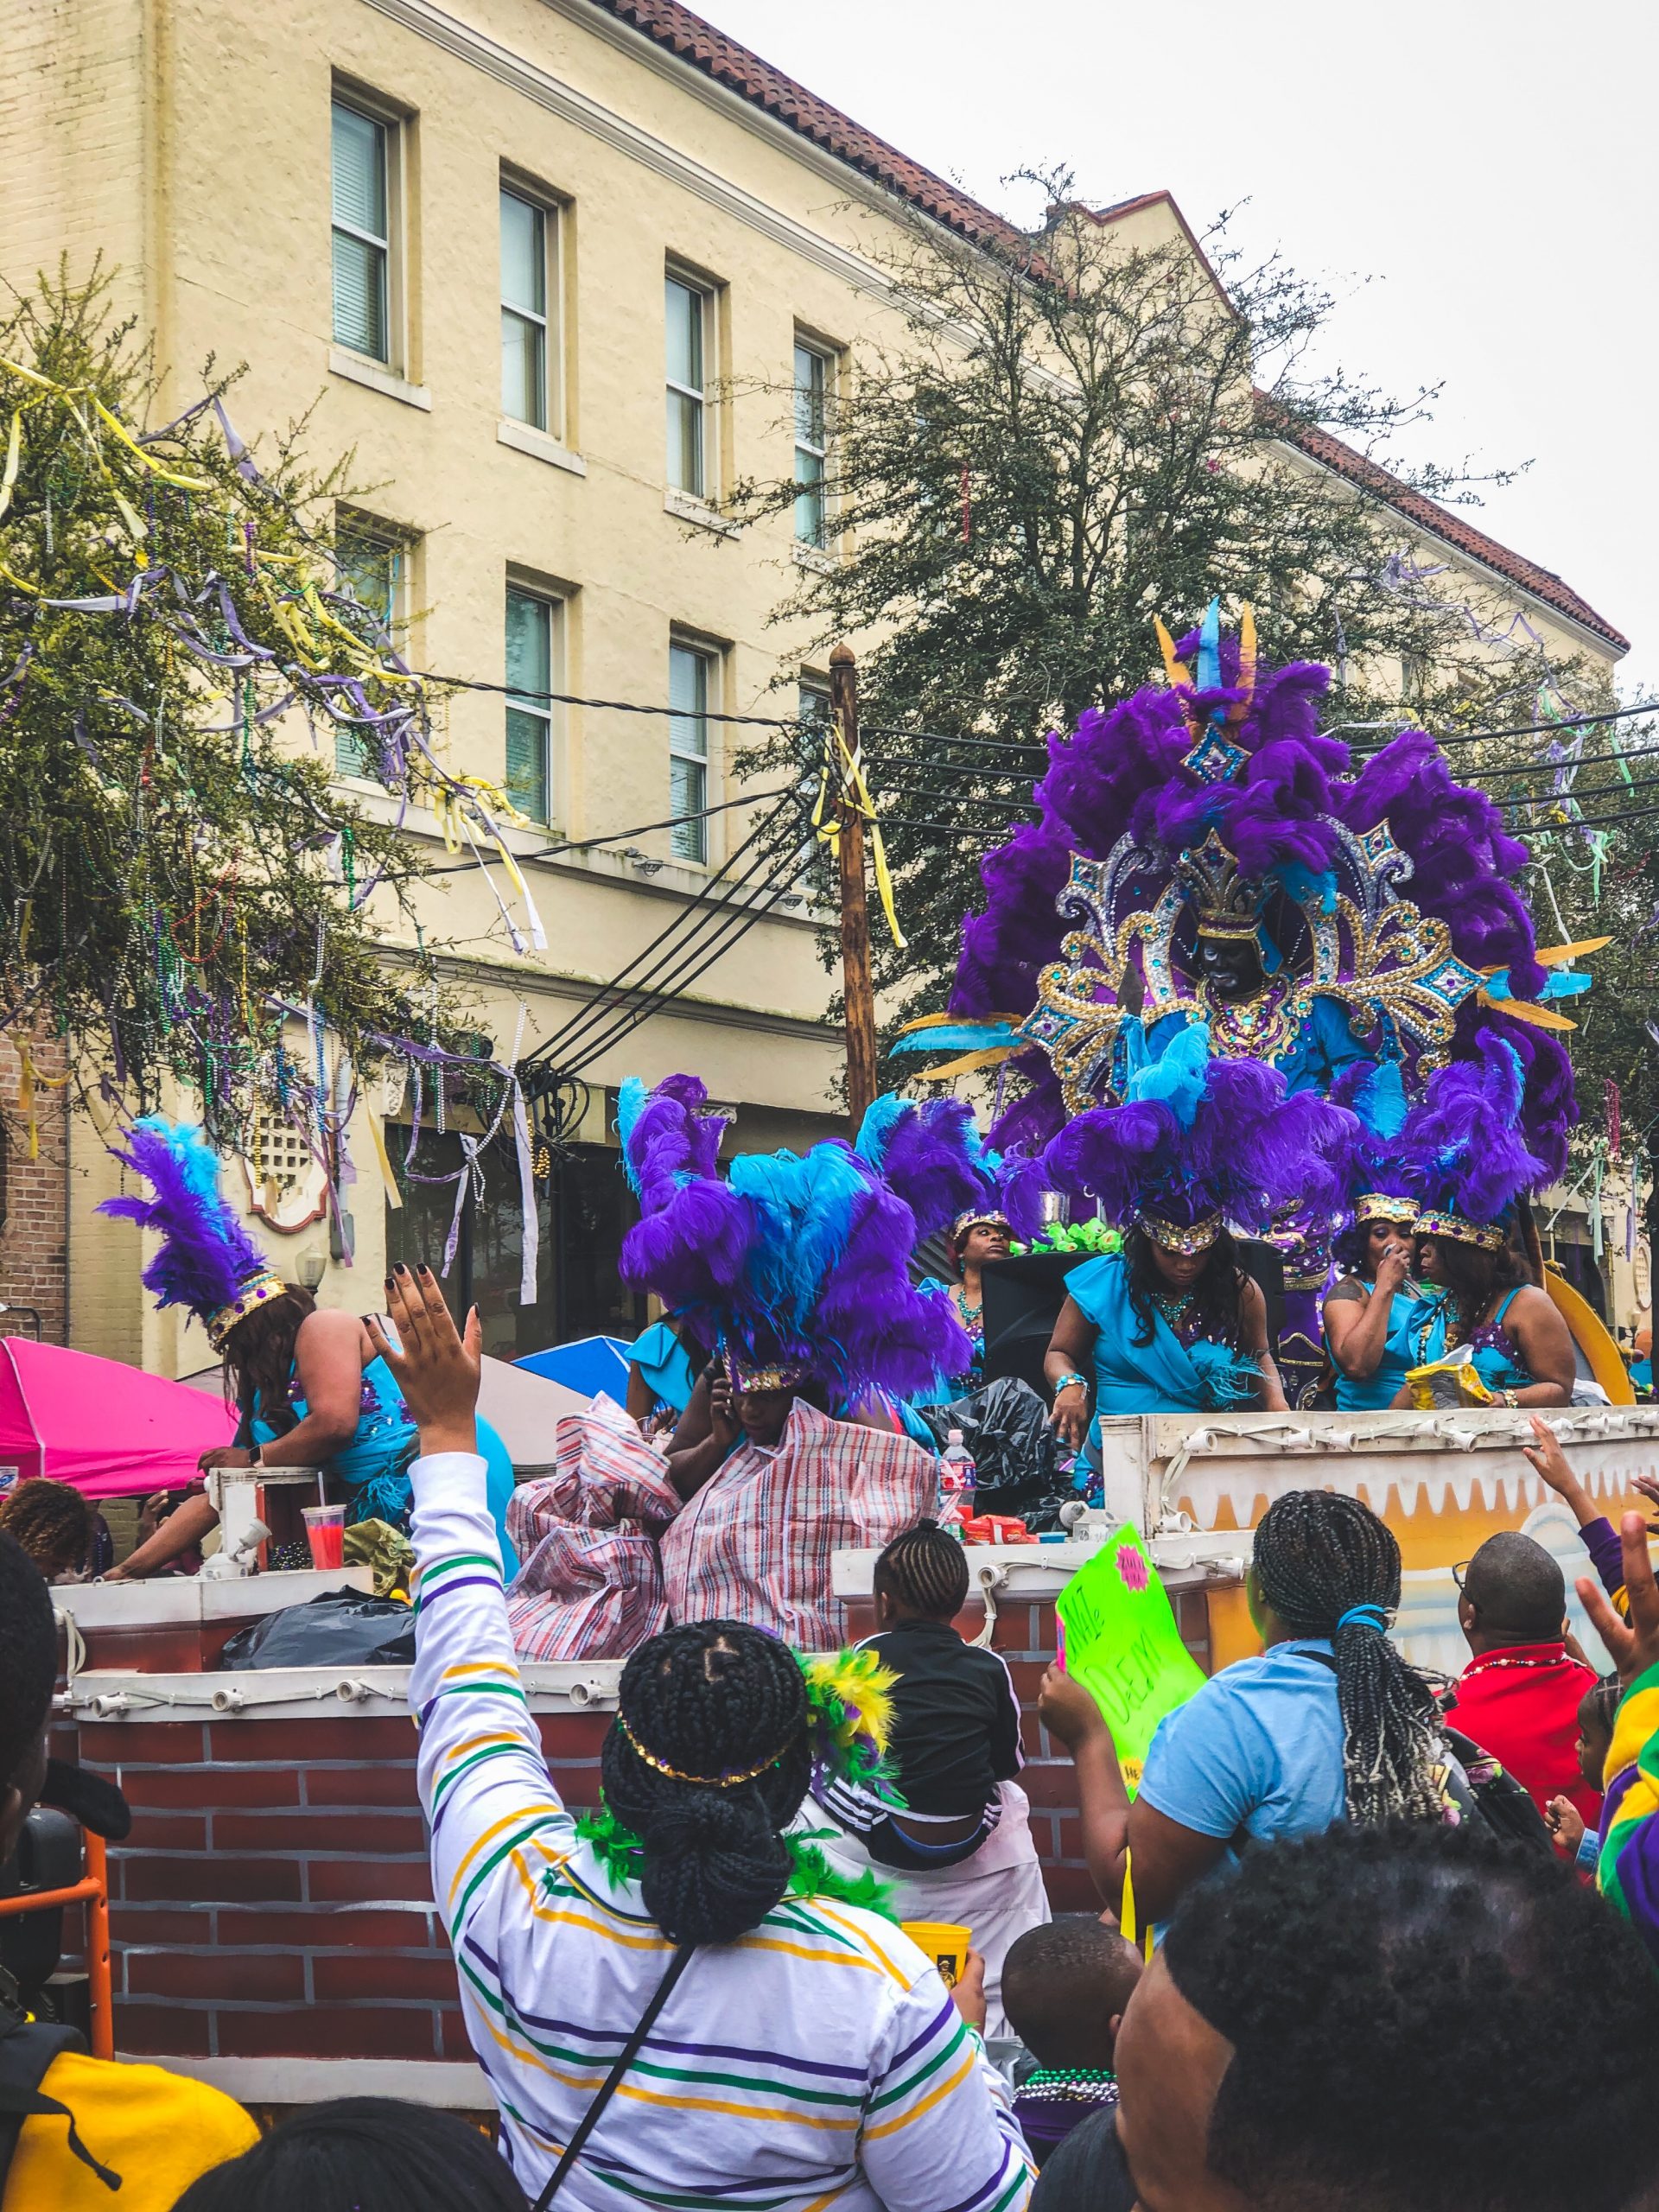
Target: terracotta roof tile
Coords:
[[669, 24], [729, 64], [1449, 526]]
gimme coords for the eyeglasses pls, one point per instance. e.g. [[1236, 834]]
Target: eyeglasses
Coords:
[[1460, 1570]]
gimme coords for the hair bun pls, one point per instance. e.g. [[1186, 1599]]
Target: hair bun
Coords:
[[715, 1864]]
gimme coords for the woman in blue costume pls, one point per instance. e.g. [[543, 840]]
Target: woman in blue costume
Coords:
[[1477, 1296], [307, 1385], [1368, 1309], [1172, 1324]]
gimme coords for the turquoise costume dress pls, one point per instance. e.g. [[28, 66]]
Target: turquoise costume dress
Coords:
[[374, 1466], [1375, 1391], [1172, 1375], [1496, 1357]]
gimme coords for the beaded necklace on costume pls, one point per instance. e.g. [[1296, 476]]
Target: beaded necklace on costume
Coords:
[[972, 1317], [1056, 2085], [1491, 1336], [1259, 1027]]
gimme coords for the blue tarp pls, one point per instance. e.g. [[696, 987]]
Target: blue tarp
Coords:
[[589, 1365]]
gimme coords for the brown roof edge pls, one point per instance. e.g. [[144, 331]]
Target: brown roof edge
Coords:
[[1440, 522], [666, 23], [697, 43]]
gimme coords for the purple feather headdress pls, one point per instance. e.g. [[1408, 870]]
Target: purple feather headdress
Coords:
[[1199, 1139], [208, 1260], [791, 1263], [1475, 1159]]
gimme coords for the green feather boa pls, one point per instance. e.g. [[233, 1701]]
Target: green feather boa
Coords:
[[620, 1852]]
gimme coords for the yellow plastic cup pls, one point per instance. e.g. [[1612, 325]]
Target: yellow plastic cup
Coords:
[[946, 1943]]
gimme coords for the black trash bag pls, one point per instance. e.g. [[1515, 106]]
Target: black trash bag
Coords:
[[1015, 1453], [340, 1628]]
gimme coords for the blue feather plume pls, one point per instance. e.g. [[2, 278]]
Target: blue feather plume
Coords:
[[207, 1254]]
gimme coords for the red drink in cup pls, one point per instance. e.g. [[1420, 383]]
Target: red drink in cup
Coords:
[[325, 1531]]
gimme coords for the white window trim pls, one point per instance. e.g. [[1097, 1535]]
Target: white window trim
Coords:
[[551, 210], [538, 444], [703, 292], [381, 376], [546, 711], [713, 658], [828, 357]]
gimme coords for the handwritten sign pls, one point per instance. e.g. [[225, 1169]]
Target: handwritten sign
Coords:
[[1119, 1640]]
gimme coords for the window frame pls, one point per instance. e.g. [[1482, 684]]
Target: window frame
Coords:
[[703, 292], [545, 711], [368, 534], [549, 207], [827, 358], [390, 125], [710, 658]]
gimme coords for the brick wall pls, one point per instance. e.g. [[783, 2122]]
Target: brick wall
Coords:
[[33, 1251], [274, 1900]]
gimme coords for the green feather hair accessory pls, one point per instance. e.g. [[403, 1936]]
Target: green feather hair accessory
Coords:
[[621, 1854], [849, 1718]]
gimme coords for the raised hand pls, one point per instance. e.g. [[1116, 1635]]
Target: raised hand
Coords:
[[436, 1369], [1632, 1645]]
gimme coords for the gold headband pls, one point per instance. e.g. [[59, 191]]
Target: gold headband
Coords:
[[1216, 926], [702, 1781], [1381, 1206], [1459, 1230], [989, 1220], [252, 1295], [1181, 1236]]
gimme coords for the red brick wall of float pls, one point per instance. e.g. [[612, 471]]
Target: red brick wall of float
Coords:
[[273, 1899]]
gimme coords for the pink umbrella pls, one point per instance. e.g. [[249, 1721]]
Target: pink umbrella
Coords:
[[111, 1430]]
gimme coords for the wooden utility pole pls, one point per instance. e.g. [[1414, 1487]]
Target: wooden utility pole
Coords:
[[857, 988]]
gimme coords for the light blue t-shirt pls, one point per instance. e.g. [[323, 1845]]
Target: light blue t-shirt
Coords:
[[1259, 1748]]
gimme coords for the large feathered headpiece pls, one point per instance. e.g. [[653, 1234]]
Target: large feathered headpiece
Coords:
[[791, 1264], [208, 1260], [1198, 1142], [928, 1153], [1475, 1160], [1385, 1168]]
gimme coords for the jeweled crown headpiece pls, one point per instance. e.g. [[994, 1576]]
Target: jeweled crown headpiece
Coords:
[[1477, 1161], [1226, 902]]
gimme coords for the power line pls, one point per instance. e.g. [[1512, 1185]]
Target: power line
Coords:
[[595, 1009], [1523, 729], [641, 829], [941, 737], [1580, 760], [613, 706]]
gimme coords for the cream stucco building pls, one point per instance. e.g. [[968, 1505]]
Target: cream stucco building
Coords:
[[511, 252]]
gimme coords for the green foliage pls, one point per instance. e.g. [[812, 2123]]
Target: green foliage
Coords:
[[178, 873], [1067, 439]]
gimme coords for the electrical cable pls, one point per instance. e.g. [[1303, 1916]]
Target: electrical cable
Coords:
[[612, 706], [1575, 761], [939, 737], [1593, 822], [593, 1009], [907, 791], [1526, 729], [735, 925], [640, 829]]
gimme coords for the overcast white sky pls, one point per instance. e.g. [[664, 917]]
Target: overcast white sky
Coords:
[[1477, 180]]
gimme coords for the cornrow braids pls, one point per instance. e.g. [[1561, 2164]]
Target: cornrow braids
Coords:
[[1318, 1557], [708, 1699], [926, 1570]]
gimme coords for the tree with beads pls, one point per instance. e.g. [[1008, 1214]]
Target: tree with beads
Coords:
[[181, 875], [1070, 436]]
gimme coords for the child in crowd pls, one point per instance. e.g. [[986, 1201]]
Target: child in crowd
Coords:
[[51, 1522], [961, 1851], [1567, 1824], [1063, 1990]]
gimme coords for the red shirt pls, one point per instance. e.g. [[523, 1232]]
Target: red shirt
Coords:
[[1522, 1705]]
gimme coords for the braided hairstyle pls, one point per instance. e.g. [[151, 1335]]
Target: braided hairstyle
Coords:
[[51, 1520], [1317, 1556], [710, 1699], [926, 1571]]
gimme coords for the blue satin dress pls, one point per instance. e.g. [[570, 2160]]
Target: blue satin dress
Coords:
[[1373, 1392], [1496, 1356], [1165, 1376], [374, 1466]]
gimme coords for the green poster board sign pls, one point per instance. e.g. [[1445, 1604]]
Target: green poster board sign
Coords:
[[1121, 1643]]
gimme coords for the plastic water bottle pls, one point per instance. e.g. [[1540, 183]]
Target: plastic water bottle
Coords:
[[957, 1481]]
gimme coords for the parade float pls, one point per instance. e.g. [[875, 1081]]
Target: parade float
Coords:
[[1202, 855]]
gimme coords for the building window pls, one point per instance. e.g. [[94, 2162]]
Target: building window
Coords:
[[362, 232], [811, 442], [687, 315], [526, 354], [530, 622], [372, 571], [690, 676]]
